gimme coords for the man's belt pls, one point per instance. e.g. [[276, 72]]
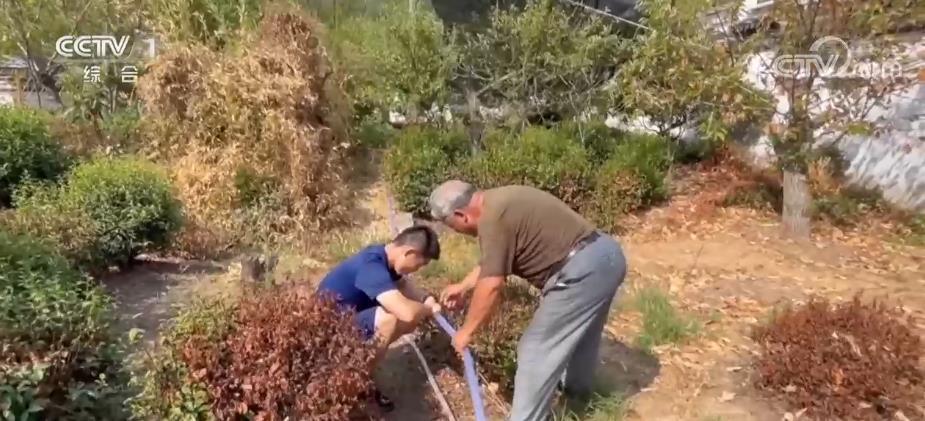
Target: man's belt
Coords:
[[581, 244]]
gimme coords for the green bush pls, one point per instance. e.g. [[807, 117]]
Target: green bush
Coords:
[[163, 380], [419, 160], [633, 177], [27, 151], [59, 359], [548, 159], [598, 139], [847, 207], [496, 345], [107, 212], [374, 134]]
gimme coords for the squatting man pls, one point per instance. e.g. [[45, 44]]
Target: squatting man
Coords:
[[387, 305]]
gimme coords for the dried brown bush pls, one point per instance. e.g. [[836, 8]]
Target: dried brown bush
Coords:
[[287, 355], [853, 360], [254, 136]]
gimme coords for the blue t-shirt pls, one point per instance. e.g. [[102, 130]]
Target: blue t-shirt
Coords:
[[358, 280]]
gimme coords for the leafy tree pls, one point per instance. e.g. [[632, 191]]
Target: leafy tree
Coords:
[[397, 57], [679, 75], [214, 23], [30, 29], [544, 57], [818, 104]]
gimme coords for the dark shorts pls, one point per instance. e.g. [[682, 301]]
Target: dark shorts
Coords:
[[366, 321]]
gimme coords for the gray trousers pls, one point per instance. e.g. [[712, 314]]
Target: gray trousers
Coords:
[[563, 339]]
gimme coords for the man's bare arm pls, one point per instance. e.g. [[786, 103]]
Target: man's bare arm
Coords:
[[484, 301], [402, 307], [472, 278], [411, 290]]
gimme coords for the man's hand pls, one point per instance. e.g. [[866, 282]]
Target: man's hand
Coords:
[[461, 341], [453, 295], [433, 305]]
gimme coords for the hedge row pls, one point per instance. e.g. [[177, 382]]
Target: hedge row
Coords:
[[27, 150], [276, 354], [105, 212], [601, 172], [59, 359]]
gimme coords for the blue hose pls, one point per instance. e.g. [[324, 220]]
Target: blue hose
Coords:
[[471, 378], [468, 361]]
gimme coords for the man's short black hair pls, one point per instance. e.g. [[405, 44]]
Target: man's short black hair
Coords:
[[421, 238]]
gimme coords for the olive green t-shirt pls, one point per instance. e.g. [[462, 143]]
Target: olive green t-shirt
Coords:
[[524, 231]]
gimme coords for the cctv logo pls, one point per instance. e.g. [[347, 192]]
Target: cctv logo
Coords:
[[91, 46]]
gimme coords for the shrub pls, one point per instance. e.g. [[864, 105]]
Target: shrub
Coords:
[[59, 359], [853, 360], [598, 139], [419, 161], [373, 134], [495, 346], [27, 150], [846, 207], [273, 107], [275, 354], [107, 212], [547, 159], [633, 177], [131, 203]]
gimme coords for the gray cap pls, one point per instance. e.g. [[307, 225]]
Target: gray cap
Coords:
[[449, 197]]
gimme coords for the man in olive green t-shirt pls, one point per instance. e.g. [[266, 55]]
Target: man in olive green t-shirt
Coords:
[[529, 233]]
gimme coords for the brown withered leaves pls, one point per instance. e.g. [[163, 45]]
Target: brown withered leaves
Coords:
[[288, 355], [853, 360]]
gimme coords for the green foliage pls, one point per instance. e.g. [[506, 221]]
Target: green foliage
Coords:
[[598, 408], [27, 150], [130, 201], [847, 207], [543, 57], [373, 134], [695, 81], [399, 57], [214, 23], [419, 160], [165, 391], [661, 323], [60, 360], [496, 344], [116, 207], [548, 159], [598, 139], [633, 177]]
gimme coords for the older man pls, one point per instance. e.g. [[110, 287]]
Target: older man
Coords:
[[527, 232]]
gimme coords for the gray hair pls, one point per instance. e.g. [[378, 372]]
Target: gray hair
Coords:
[[449, 197]]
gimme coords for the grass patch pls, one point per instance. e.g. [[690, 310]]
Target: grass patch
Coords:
[[912, 231], [458, 255], [661, 322], [601, 407]]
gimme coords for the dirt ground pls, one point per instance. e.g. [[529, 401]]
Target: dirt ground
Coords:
[[726, 267]]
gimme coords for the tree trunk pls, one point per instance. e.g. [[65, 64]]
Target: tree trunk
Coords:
[[475, 127], [796, 209]]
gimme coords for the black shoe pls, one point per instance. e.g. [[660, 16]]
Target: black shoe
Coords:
[[383, 401]]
